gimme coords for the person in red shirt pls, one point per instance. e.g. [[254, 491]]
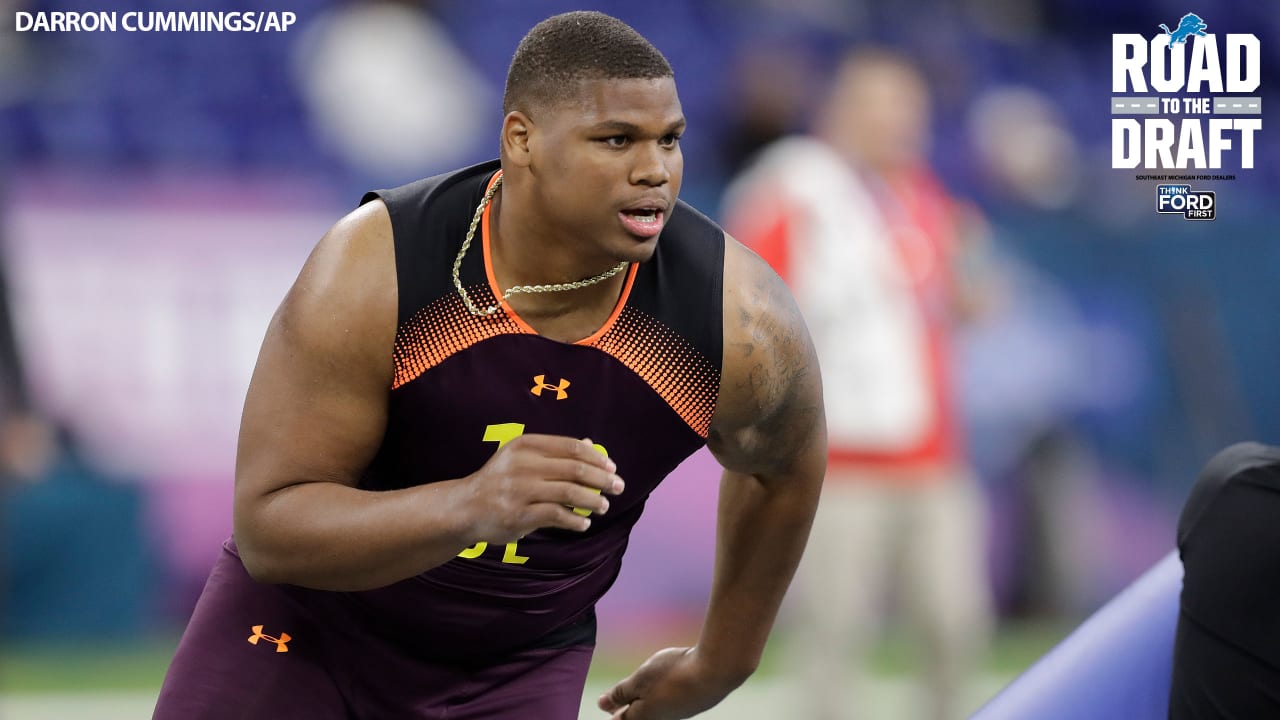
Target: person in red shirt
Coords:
[[869, 241]]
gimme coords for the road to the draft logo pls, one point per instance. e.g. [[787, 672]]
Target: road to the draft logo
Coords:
[[1191, 204], [1185, 98]]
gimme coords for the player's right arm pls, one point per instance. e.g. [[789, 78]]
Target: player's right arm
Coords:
[[315, 415]]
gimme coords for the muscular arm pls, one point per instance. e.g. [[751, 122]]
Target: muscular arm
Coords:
[[315, 415], [769, 433]]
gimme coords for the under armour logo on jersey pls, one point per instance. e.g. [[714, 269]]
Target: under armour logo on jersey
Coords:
[[540, 383], [280, 642]]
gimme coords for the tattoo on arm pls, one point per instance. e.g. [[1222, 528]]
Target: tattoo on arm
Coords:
[[774, 380]]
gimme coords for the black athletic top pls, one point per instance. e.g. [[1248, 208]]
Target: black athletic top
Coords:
[[643, 388], [1227, 653]]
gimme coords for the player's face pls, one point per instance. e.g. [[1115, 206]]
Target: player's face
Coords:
[[609, 166]]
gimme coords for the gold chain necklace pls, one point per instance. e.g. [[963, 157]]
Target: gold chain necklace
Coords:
[[557, 287]]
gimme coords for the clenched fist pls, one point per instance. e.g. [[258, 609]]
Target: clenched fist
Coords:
[[536, 481]]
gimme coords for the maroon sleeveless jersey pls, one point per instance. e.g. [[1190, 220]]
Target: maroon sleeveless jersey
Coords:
[[643, 388]]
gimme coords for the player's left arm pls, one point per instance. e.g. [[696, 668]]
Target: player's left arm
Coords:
[[769, 433]]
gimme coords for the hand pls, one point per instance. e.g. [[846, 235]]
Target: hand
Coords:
[[668, 686], [535, 481]]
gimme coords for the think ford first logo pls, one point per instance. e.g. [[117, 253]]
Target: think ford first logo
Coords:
[[1194, 93], [1191, 204]]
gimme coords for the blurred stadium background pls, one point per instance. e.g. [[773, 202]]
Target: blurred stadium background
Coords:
[[159, 192]]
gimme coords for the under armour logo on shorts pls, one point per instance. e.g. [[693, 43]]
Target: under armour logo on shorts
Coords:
[[280, 642]]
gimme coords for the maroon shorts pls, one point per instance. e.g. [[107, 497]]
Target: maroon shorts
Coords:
[[255, 651]]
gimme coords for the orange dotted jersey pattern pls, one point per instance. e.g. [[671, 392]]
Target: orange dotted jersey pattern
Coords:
[[443, 328], [686, 380], [681, 376]]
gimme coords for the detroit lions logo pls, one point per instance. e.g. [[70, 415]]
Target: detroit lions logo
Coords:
[[1189, 25]]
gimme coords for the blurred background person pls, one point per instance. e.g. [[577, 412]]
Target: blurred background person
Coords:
[[875, 249], [68, 531], [387, 89], [1021, 379]]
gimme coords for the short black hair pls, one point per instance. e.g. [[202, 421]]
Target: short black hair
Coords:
[[565, 49]]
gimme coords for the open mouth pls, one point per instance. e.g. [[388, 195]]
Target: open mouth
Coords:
[[643, 222]]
